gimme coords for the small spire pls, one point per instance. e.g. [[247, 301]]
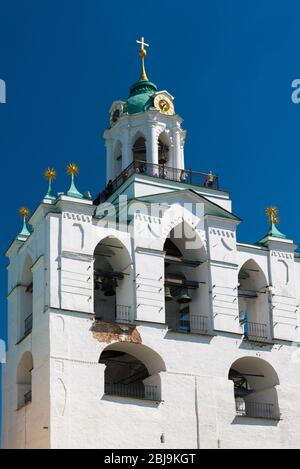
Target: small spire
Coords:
[[272, 215], [73, 170], [24, 213], [50, 175], [143, 54]]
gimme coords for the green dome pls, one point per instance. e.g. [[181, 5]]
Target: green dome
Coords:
[[141, 97]]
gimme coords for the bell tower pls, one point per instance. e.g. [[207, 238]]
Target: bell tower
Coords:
[[145, 129]]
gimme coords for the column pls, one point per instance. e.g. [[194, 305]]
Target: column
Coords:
[[177, 148], [152, 149], [126, 148], [109, 159]]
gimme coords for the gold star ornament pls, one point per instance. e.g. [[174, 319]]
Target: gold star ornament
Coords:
[[24, 212], [72, 169], [272, 214], [50, 174]]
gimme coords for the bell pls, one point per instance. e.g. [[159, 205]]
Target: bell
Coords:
[[98, 282], [108, 287], [162, 159], [168, 296], [163, 154], [184, 297]]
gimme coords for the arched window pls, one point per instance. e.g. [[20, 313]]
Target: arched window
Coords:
[[24, 380], [112, 281], [139, 151], [26, 300], [255, 384], [186, 280], [132, 371], [253, 302]]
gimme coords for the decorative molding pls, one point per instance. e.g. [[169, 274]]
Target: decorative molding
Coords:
[[227, 265], [226, 245], [77, 217], [282, 255], [76, 256], [220, 232], [153, 252]]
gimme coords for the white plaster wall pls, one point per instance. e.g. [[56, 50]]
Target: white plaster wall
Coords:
[[198, 402], [69, 409]]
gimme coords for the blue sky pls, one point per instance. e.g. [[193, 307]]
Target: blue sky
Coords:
[[229, 64]]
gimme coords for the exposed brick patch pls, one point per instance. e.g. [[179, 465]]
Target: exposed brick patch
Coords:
[[110, 332]]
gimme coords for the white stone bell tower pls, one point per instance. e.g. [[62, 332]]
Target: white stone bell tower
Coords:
[[144, 128], [138, 320]]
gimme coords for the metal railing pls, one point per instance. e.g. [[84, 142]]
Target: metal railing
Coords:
[[194, 323], [123, 313], [28, 325], [183, 324], [199, 324], [255, 409], [137, 391], [27, 397], [255, 331], [161, 171]]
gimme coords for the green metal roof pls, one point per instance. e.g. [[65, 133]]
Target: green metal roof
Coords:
[[141, 97], [273, 232]]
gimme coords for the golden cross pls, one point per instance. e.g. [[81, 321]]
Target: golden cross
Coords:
[[142, 55], [143, 44]]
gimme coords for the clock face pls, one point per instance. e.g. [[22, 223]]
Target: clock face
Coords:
[[164, 104]]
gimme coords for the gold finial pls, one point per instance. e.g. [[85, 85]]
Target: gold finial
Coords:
[[24, 212], [72, 169], [142, 55], [50, 174], [272, 214]]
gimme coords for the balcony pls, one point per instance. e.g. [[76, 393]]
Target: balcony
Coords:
[[162, 172], [195, 324], [199, 324], [123, 314], [255, 410], [255, 332], [136, 391]]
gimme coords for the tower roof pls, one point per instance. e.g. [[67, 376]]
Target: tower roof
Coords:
[[141, 93], [141, 97]]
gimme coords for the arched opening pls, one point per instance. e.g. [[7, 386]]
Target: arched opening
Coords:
[[186, 280], [132, 370], [24, 380], [112, 281], [255, 393], [118, 159], [253, 302], [164, 149], [26, 300], [140, 153]]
